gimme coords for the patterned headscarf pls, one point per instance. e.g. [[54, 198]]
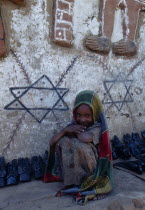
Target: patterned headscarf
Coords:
[[92, 100]]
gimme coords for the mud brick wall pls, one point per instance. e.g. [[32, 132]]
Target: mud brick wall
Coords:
[[2, 42], [19, 2], [63, 31], [39, 81], [2, 32]]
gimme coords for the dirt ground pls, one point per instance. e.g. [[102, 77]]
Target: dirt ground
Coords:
[[128, 194]]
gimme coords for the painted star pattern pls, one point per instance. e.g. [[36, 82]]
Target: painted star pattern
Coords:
[[118, 91], [38, 99]]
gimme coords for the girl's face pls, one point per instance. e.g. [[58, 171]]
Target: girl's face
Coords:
[[84, 115]]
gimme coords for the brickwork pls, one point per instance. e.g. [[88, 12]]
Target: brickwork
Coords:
[[63, 22]]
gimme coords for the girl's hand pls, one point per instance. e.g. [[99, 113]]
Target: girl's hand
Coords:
[[74, 130], [70, 131]]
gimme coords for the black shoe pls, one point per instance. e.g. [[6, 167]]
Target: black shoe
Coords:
[[2, 172], [143, 135], [135, 166], [138, 142], [114, 154], [37, 166], [24, 169], [46, 158], [12, 173], [142, 164], [120, 149], [142, 159], [131, 145]]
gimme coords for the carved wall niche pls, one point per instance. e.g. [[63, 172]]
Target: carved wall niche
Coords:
[[130, 17], [3, 48]]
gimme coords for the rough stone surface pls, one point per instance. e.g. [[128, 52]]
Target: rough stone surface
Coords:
[[37, 195], [138, 203]]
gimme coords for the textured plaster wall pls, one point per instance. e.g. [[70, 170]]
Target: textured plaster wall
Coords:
[[28, 34]]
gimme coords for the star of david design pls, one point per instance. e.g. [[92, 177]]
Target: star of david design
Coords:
[[38, 99], [114, 87]]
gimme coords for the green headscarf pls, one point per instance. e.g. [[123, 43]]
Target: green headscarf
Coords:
[[91, 99]]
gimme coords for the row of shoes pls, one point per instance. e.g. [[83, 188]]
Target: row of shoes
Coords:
[[22, 170], [131, 145], [137, 166]]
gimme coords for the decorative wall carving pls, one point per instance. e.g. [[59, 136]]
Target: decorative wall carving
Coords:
[[98, 44], [130, 16], [63, 32]]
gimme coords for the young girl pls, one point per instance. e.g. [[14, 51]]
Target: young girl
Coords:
[[80, 154]]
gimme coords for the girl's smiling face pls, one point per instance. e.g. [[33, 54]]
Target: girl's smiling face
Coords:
[[84, 115]]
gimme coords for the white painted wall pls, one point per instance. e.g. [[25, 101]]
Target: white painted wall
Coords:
[[29, 36]]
